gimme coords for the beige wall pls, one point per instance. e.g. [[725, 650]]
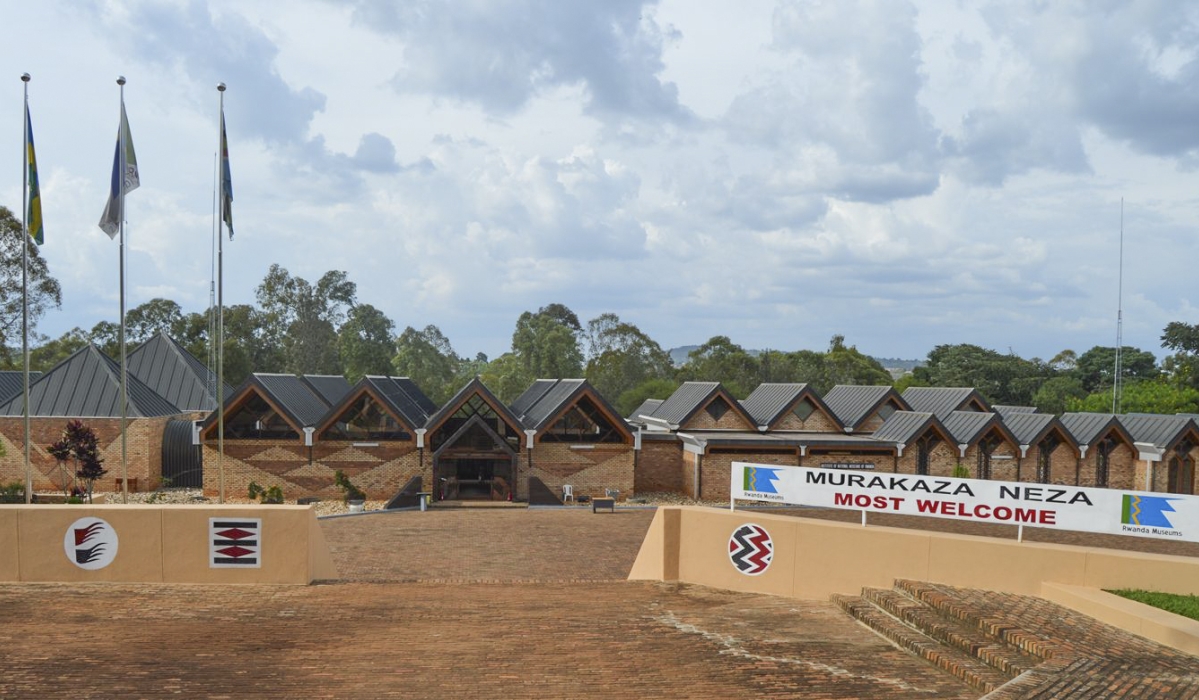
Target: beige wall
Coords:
[[158, 544], [814, 559]]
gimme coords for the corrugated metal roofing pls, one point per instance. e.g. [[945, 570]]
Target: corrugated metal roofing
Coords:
[[392, 391], [685, 401], [88, 384], [536, 391], [904, 426], [13, 383], [295, 397], [967, 426], [1161, 431], [1028, 428], [646, 408], [174, 373], [767, 402], [1088, 427], [939, 400], [853, 404], [1005, 410], [551, 402], [474, 386], [415, 393], [331, 387]]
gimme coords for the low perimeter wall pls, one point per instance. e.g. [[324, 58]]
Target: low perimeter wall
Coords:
[[813, 559], [162, 544]]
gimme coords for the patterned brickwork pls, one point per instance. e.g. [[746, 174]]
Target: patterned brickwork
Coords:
[[380, 469], [731, 420], [658, 467], [941, 459], [817, 422], [590, 471], [143, 447]]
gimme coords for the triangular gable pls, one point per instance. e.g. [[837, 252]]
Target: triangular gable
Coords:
[[579, 397], [362, 408], [777, 406], [87, 384], [968, 427], [1089, 429], [475, 421], [1164, 432], [719, 411], [250, 392], [944, 400], [857, 406], [474, 388], [908, 427], [175, 374]]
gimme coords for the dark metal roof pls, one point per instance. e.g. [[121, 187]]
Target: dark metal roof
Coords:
[[1161, 431], [769, 401], [532, 395], [1088, 428], [174, 373], [904, 426], [940, 400], [396, 393], [646, 408], [1029, 428], [13, 383], [88, 385], [295, 397], [331, 387], [853, 404], [1005, 410], [474, 386], [560, 393], [685, 401], [968, 426], [414, 392]]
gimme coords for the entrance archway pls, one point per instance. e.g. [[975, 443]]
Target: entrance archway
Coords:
[[475, 463]]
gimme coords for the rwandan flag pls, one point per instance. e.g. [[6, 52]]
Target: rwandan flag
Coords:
[[34, 213], [110, 221], [226, 182]]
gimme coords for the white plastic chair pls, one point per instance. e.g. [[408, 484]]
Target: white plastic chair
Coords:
[[568, 493]]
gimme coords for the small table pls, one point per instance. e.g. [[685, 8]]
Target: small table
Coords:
[[424, 497], [603, 502]]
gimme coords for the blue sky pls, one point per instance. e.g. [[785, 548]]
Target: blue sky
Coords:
[[906, 175]]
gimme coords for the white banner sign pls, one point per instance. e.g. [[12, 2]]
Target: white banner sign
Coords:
[[1112, 511]]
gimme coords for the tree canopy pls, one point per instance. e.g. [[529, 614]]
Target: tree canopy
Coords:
[[43, 291]]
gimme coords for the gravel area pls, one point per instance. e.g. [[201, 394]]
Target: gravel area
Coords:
[[193, 496]]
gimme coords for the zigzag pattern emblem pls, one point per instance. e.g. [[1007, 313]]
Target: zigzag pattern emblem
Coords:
[[750, 549]]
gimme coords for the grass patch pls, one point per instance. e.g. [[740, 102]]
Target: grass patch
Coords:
[[1185, 605]]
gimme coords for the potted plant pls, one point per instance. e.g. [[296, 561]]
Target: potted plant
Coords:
[[354, 497], [269, 495]]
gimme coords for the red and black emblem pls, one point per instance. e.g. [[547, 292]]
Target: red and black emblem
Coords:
[[751, 549], [235, 543]]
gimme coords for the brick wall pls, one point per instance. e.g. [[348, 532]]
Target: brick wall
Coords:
[[881, 462], [817, 422], [941, 460], [380, 470], [590, 471], [717, 466], [731, 420], [659, 467], [688, 473], [143, 449]]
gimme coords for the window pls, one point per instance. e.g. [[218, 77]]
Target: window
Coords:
[[474, 406], [1044, 456], [1103, 455], [885, 412], [583, 422], [718, 408], [365, 419], [803, 410], [255, 419]]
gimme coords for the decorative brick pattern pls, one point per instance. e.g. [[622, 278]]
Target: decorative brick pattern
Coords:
[[590, 471]]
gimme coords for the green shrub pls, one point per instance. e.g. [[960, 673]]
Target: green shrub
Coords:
[[1185, 605], [352, 492], [270, 494], [12, 492], [961, 472]]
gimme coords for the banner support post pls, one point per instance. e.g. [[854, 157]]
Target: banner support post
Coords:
[[1020, 532], [863, 518]]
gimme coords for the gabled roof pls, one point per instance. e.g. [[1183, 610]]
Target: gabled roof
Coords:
[[1088, 428], [388, 392], [689, 398], [331, 387], [903, 427], [88, 385], [536, 391], [1031, 428], [1161, 431], [474, 386], [968, 427], [941, 400], [404, 397], [562, 395], [298, 403], [770, 401], [1005, 410], [853, 404], [174, 373], [646, 408], [13, 383]]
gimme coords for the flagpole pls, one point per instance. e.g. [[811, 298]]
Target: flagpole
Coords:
[[220, 292], [25, 283], [121, 225]]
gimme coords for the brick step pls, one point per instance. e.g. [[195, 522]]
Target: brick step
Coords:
[[1000, 656], [1005, 630], [969, 670]]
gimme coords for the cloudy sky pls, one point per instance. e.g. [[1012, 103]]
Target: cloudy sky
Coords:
[[774, 171]]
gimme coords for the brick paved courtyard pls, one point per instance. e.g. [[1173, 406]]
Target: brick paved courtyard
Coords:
[[452, 604]]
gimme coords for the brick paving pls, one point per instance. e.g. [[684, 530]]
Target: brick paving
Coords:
[[452, 604]]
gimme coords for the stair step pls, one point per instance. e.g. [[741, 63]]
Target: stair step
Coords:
[[1000, 656], [971, 671], [1028, 642]]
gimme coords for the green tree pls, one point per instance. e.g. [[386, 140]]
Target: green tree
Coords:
[[147, 320], [546, 343], [51, 352], [427, 358], [722, 360], [1183, 365], [846, 365], [106, 336], [1057, 393], [621, 356], [507, 377], [1154, 396], [1002, 379], [366, 343], [43, 291], [246, 346], [629, 400], [303, 318], [1097, 366]]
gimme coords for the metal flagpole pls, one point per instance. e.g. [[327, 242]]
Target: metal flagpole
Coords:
[[25, 283], [220, 300], [121, 224]]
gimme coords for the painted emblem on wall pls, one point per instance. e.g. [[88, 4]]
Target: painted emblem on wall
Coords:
[[90, 543], [235, 544], [750, 549]]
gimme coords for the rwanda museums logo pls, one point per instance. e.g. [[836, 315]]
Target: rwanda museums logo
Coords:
[[1147, 515], [760, 482], [750, 549], [90, 543]]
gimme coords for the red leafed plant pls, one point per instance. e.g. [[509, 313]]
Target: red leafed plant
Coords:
[[79, 445]]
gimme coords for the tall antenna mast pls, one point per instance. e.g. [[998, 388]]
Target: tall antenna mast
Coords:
[[1117, 381]]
